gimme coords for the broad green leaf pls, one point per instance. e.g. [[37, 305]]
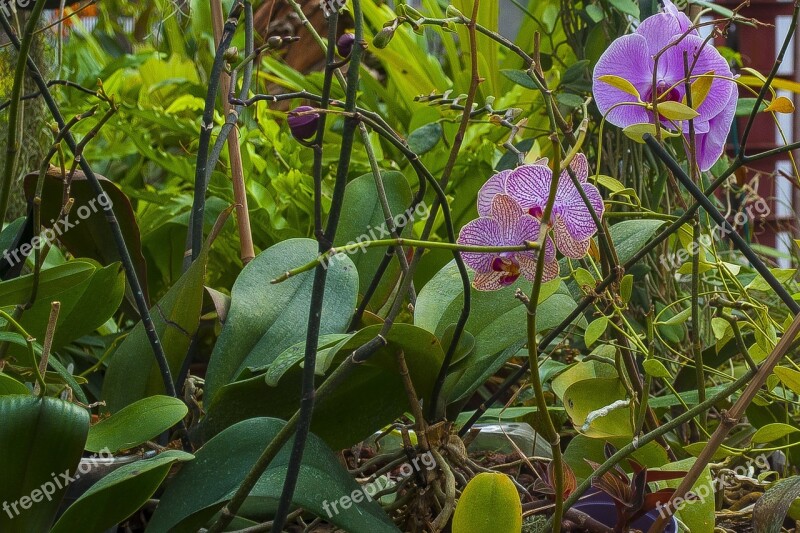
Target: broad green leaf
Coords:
[[9, 385], [745, 106], [520, 77], [656, 368], [677, 319], [222, 463], [119, 494], [496, 320], [589, 406], [629, 7], [133, 372], [612, 184], [789, 377], [424, 139], [770, 510], [40, 438], [333, 419], [136, 423], [698, 515], [773, 432], [696, 448], [626, 288], [295, 353], [585, 370], [91, 235], [489, 502], [581, 447], [676, 111], [52, 281], [620, 83], [82, 311], [265, 319], [630, 236], [595, 330], [783, 275], [364, 220]]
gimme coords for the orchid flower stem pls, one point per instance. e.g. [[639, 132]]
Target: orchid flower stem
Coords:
[[29, 340], [330, 255]]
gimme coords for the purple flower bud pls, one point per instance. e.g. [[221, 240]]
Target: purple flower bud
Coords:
[[345, 44], [303, 127]]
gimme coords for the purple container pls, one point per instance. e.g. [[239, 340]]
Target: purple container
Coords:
[[600, 506]]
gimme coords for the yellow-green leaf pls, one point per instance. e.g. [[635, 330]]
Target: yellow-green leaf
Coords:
[[676, 111], [772, 432], [700, 89], [789, 377], [489, 503], [636, 132], [656, 368], [620, 83], [781, 104]]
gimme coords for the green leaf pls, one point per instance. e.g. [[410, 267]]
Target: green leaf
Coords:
[[678, 318], [581, 447], [265, 319], [489, 502], [629, 7], [91, 235], [626, 288], [136, 424], [789, 377], [52, 281], [9, 385], [620, 83], [222, 463], [496, 320], [424, 139], [595, 12], [595, 330], [676, 111], [133, 372], [783, 275], [585, 370], [333, 414], [745, 106], [82, 312], [656, 368], [520, 77], [770, 510], [40, 438], [698, 515], [588, 404], [773, 432], [365, 218], [630, 236], [119, 494]]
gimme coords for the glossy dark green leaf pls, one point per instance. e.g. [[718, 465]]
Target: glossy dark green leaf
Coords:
[[333, 420], [52, 281], [223, 462], [265, 319], [365, 221], [9, 385], [136, 424], [40, 439], [119, 494]]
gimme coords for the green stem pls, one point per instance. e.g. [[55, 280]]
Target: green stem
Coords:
[[352, 247]]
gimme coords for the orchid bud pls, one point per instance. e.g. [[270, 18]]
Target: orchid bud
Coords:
[[384, 37], [345, 44], [303, 127]]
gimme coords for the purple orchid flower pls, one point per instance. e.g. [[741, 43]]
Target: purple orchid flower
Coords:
[[632, 57], [529, 186], [505, 224]]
